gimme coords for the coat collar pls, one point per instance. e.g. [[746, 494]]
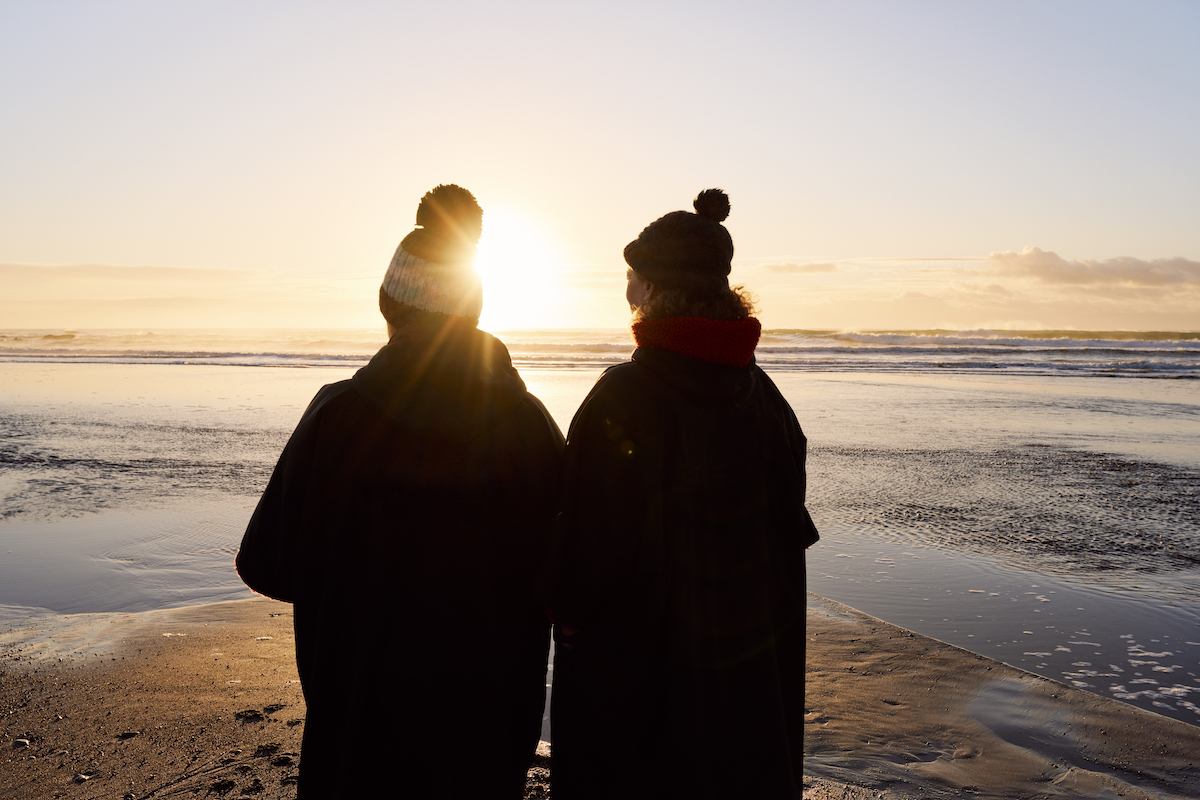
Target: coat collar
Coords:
[[728, 342]]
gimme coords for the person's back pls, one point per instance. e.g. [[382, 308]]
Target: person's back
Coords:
[[404, 521], [679, 560]]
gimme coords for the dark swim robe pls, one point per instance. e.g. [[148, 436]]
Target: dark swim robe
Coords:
[[679, 556], [406, 520]]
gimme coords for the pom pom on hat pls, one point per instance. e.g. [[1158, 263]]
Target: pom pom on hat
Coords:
[[450, 222], [712, 204], [451, 211], [684, 250], [433, 268]]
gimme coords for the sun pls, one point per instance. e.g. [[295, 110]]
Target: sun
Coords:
[[518, 266]]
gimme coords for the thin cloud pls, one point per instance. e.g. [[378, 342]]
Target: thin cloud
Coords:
[[801, 268], [111, 272], [920, 260], [991, 290], [1050, 268]]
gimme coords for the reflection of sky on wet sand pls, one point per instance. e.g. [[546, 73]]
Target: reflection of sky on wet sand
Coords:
[[893, 711], [1039, 623], [127, 560]]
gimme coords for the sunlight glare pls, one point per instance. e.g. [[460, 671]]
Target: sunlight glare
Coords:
[[517, 264]]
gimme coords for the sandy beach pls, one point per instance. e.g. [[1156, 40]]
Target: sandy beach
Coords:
[[156, 704], [204, 701]]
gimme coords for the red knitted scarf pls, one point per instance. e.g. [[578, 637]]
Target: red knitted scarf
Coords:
[[729, 342]]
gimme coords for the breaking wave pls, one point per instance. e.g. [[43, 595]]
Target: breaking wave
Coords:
[[1151, 354]]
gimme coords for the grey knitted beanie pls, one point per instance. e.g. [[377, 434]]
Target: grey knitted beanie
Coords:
[[433, 269]]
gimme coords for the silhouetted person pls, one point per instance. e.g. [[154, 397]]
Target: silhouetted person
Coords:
[[677, 570], [405, 521]]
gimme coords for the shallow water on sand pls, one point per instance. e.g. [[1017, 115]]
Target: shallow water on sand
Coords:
[[1052, 523]]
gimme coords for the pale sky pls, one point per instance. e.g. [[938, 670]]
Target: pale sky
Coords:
[[890, 164]]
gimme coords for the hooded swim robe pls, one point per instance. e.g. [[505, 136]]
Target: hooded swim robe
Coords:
[[405, 520], [679, 556]]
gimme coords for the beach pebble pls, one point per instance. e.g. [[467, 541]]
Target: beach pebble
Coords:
[[20, 743]]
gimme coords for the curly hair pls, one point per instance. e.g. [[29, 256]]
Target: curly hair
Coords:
[[729, 303]]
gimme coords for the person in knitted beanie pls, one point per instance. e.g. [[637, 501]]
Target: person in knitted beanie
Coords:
[[678, 286], [433, 269], [405, 521], [676, 572]]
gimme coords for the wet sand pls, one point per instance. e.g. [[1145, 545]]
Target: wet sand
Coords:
[[204, 701], [897, 715]]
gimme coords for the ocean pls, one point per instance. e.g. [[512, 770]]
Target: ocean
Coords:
[[1033, 496], [1151, 354]]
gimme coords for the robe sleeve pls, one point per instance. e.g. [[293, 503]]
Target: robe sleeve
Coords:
[[268, 559]]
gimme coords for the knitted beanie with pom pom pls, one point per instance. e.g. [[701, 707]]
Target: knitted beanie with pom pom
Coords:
[[682, 250], [434, 266]]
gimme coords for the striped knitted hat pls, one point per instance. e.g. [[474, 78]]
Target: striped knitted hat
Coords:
[[433, 268]]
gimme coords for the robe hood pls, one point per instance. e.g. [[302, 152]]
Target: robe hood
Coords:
[[701, 379], [428, 374]]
